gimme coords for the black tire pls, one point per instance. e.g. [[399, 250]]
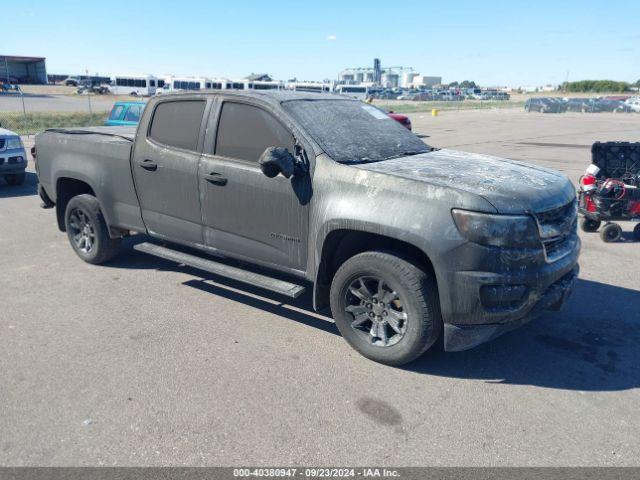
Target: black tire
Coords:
[[410, 292], [611, 232], [636, 232], [84, 220], [15, 179], [588, 225]]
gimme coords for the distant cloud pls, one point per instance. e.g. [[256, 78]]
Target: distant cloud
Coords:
[[332, 38]]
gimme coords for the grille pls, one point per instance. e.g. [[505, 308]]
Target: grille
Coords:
[[557, 228]]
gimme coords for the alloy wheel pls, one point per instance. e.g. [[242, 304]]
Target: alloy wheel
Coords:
[[376, 310], [82, 230]]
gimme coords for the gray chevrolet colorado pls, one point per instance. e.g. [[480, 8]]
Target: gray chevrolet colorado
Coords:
[[405, 242]]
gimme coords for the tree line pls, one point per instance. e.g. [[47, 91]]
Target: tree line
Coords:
[[598, 86]]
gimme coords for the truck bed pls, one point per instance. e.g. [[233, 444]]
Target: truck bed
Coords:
[[100, 157]]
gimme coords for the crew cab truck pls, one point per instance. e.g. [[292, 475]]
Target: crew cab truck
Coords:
[[404, 242]]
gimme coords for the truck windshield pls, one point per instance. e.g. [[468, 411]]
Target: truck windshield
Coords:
[[354, 132]]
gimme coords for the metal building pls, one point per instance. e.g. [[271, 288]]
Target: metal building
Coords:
[[15, 69]]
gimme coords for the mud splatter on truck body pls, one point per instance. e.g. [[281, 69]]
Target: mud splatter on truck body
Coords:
[[497, 236]]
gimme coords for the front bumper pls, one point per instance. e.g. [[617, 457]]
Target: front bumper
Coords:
[[464, 337], [10, 163], [489, 291]]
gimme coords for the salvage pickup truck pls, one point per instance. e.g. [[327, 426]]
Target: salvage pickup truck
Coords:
[[406, 243]]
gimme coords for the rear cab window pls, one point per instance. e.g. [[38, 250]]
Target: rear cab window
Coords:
[[133, 113], [116, 112], [246, 131], [177, 123]]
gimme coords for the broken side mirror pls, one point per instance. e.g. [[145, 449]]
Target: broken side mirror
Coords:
[[275, 160]]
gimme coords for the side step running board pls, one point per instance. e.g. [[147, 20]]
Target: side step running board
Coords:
[[279, 286]]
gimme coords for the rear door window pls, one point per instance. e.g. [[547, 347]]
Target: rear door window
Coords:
[[245, 132], [177, 124]]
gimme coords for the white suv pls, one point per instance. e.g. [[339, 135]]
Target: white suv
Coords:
[[633, 103]]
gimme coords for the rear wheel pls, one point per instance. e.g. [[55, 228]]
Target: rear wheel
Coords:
[[611, 232], [636, 232], [88, 232], [589, 225], [15, 179], [385, 307]]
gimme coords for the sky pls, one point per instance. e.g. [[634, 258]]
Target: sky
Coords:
[[494, 43]]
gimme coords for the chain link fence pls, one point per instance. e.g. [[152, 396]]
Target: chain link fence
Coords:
[[30, 113]]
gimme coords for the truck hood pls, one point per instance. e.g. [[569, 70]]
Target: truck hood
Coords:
[[510, 186]]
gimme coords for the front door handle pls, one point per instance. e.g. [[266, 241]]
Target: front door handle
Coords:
[[149, 165], [216, 179]]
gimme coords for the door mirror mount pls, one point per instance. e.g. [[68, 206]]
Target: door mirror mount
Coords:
[[275, 160]]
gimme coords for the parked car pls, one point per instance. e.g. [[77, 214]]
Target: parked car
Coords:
[[608, 105], [544, 105], [9, 87], [633, 103], [91, 86], [405, 242], [619, 98], [577, 105], [596, 105], [403, 120], [125, 114], [72, 81], [13, 157]]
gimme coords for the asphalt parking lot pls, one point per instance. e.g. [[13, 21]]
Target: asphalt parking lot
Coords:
[[142, 362]]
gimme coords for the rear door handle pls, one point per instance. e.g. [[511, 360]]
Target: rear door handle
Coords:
[[149, 165], [216, 179]]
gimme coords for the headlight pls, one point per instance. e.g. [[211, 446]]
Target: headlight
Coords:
[[497, 230], [13, 143]]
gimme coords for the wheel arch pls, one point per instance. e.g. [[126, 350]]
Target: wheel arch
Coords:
[[341, 244], [66, 188]]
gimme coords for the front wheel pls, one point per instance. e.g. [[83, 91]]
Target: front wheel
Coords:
[[15, 179], [385, 307], [636, 232], [88, 232]]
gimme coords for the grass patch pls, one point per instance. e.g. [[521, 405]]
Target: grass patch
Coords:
[[38, 121], [415, 107]]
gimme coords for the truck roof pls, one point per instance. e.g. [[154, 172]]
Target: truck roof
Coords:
[[272, 96]]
